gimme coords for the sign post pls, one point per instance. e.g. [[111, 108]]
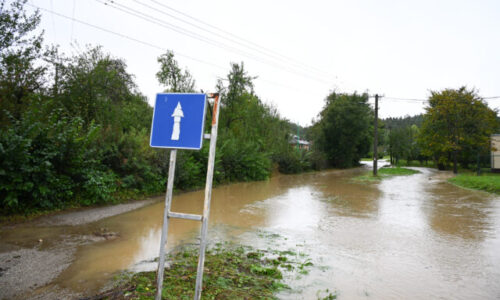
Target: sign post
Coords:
[[208, 196], [164, 230], [178, 121]]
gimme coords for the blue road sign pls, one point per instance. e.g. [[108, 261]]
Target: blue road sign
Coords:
[[178, 121]]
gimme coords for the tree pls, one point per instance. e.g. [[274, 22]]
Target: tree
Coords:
[[20, 76], [172, 77], [456, 121], [343, 131], [238, 91], [93, 85]]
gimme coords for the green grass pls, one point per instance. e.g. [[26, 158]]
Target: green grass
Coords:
[[415, 163], [231, 272], [396, 171], [386, 172], [488, 182]]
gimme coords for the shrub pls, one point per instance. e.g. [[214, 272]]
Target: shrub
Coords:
[[43, 165]]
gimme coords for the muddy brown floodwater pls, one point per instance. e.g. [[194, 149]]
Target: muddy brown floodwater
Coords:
[[409, 237]]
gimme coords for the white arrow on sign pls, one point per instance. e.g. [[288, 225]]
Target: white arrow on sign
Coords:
[[177, 115]]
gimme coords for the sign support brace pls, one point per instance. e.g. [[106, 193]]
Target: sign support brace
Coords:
[[206, 208]]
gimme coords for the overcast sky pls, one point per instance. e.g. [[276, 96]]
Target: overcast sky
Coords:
[[300, 50]]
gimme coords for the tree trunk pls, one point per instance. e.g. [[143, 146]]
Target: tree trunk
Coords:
[[455, 168]]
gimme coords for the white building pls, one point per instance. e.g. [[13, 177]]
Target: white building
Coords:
[[495, 153]]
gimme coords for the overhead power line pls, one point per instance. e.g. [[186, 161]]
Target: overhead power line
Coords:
[[246, 41], [148, 44], [405, 99], [425, 100], [223, 36], [194, 35], [125, 36]]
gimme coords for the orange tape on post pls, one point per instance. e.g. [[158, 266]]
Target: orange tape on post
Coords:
[[214, 113]]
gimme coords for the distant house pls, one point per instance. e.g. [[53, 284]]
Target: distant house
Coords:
[[303, 145], [495, 153]]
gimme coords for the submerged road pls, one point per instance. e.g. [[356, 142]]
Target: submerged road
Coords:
[[408, 237]]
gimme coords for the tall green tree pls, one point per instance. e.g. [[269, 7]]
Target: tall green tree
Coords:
[[172, 76], [238, 90], [20, 51], [245, 123], [403, 143], [93, 85], [456, 121], [343, 131]]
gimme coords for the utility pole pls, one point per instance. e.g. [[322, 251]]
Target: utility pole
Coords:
[[375, 137]]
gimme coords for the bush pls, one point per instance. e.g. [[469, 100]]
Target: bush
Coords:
[[191, 168], [98, 187], [43, 165], [294, 161], [242, 161]]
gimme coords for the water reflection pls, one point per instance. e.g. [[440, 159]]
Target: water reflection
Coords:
[[410, 237], [458, 212], [402, 198]]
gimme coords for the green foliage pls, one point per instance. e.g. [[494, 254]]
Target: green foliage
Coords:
[[295, 161], [403, 143], [343, 131], [457, 122], [75, 131], [191, 168], [93, 86], [20, 76], [396, 171], [172, 77], [243, 160], [77, 135], [487, 182], [136, 163], [252, 135], [386, 172], [231, 272], [42, 166]]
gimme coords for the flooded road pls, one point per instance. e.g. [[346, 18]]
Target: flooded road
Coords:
[[409, 237]]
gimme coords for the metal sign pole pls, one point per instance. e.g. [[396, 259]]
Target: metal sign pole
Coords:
[[208, 196], [164, 231]]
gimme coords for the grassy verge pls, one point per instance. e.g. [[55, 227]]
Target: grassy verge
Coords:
[[489, 182], [416, 163], [386, 173], [231, 272]]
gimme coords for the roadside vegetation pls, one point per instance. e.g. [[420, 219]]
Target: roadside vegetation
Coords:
[[231, 272], [343, 131], [489, 182], [386, 172], [74, 130], [454, 133]]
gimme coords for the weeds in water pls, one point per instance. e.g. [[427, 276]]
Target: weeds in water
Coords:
[[231, 272], [329, 296], [386, 172]]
